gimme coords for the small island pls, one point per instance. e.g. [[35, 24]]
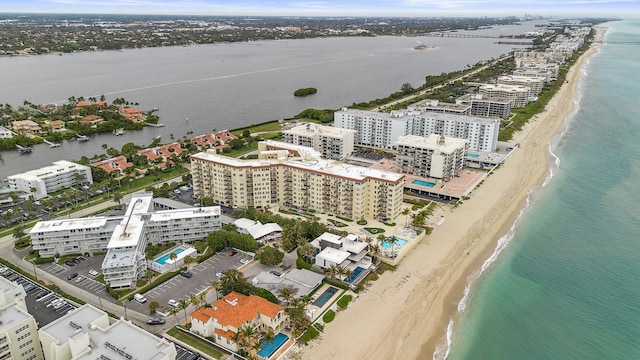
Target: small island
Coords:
[[305, 91]]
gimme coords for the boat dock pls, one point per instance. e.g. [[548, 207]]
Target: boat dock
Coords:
[[51, 144]]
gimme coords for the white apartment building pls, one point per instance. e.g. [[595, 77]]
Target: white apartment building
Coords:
[[18, 329], [441, 107], [534, 83], [296, 176], [5, 133], [72, 236], [487, 106], [125, 238], [434, 156], [518, 93], [332, 143], [87, 333], [383, 129], [60, 175]]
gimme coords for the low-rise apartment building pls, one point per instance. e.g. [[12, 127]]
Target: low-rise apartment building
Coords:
[[534, 83], [298, 177], [61, 175], [434, 156], [518, 93], [87, 333], [441, 107], [332, 143], [487, 106]]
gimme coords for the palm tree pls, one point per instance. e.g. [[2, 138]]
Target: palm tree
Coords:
[[153, 307], [194, 300], [347, 274], [117, 197], [18, 233], [188, 260], [287, 294], [307, 250], [215, 285], [183, 305], [334, 270], [405, 212], [173, 256], [234, 280], [374, 249]]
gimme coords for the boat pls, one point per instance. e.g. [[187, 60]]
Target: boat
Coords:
[[82, 137], [23, 149], [118, 132]]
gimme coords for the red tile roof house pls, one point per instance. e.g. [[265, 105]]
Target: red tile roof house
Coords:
[[118, 163], [164, 151], [92, 120], [228, 315], [133, 115], [221, 137], [82, 104]]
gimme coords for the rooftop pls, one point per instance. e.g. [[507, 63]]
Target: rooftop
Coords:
[[188, 213], [333, 255], [236, 309], [69, 224], [309, 129], [434, 142], [47, 171]]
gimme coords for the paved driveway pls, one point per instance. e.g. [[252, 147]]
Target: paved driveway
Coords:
[[181, 287]]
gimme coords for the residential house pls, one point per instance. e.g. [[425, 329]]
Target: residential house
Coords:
[[84, 104], [118, 163], [132, 114], [26, 126], [227, 316], [260, 232], [217, 139], [55, 126], [92, 120], [5, 133]]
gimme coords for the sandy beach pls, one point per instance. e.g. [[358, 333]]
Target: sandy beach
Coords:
[[404, 314]]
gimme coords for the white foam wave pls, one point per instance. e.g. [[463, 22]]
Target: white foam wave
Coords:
[[442, 352]]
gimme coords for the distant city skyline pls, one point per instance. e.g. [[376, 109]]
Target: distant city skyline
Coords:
[[408, 8]]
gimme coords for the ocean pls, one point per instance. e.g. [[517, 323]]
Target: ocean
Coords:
[[567, 285]]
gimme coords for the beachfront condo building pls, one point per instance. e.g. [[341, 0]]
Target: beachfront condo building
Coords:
[[333, 143], [487, 106], [297, 177], [88, 334], [227, 316], [518, 93], [434, 156], [438, 106], [383, 129], [18, 329], [61, 175], [125, 238], [534, 83]]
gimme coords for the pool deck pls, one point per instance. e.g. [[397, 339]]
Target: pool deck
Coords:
[[456, 188]]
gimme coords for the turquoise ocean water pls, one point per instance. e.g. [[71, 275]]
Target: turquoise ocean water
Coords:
[[568, 284]]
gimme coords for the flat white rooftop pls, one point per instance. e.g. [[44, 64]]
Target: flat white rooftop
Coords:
[[334, 255], [51, 170], [329, 237], [328, 167], [433, 142], [310, 129], [165, 215], [128, 233], [69, 224], [141, 203]]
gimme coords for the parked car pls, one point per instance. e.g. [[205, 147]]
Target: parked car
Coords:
[[80, 278], [186, 273], [93, 272], [245, 261], [69, 263], [155, 321], [219, 274], [275, 273], [72, 276], [140, 298], [233, 253], [173, 303]]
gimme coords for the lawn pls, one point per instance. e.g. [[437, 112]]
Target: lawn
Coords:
[[196, 343]]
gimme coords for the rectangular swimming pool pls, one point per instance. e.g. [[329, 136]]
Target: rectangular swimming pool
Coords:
[[356, 272], [472, 156], [399, 242], [269, 348], [423, 183], [163, 259], [326, 295]]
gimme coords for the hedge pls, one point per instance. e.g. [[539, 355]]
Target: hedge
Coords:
[[308, 335], [344, 301], [265, 294], [329, 316], [301, 264]]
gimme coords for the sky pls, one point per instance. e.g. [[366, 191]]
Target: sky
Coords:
[[411, 8]]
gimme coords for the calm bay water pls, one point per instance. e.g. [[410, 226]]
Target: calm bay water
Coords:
[[568, 284], [199, 88]]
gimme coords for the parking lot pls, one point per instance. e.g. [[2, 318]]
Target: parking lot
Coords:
[[181, 287], [82, 278], [45, 305]]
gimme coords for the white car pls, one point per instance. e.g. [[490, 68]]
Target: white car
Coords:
[[245, 261], [219, 274], [93, 272], [173, 303], [80, 278]]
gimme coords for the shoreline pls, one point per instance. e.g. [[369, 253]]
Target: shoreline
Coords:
[[406, 313]]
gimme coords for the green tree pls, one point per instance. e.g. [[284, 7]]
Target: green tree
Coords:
[[270, 256], [173, 256], [287, 294], [117, 197], [405, 212], [233, 280], [407, 88], [18, 233], [153, 307], [188, 260]]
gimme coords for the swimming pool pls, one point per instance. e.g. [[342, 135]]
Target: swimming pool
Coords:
[[356, 272], [269, 348], [326, 295], [163, 259], [472, 156], [423, 183], [399, 242]]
